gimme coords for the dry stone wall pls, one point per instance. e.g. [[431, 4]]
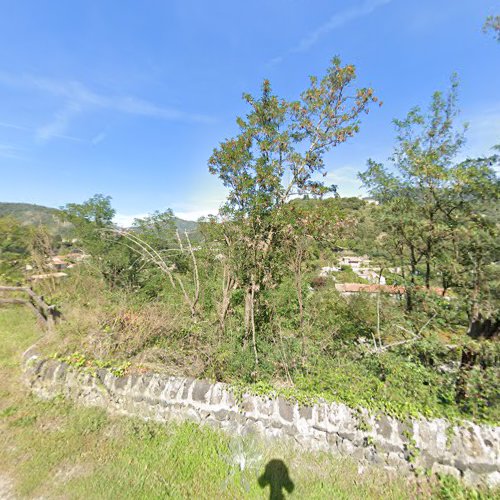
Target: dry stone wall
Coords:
[[468, 451]]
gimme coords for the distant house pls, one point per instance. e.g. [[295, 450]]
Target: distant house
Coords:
[[325, 271], [347, 289], [40, 277], [58, 263], [76, 256], [354, 261]]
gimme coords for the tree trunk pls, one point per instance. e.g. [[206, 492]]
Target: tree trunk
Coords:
[[228, 283], [410, 289], [427, 269], [474, 311], [248, 308], [252, 318]]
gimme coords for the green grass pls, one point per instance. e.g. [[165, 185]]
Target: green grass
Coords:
[[52, 449]]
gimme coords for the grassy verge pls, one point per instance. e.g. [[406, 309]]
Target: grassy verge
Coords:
[[52, 449]]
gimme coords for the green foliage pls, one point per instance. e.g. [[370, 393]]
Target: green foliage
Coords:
[[450, 488], [245, 304], [92, 221], [347, 275], [492, 24], [438, 220], [80, 361], [14, 249]]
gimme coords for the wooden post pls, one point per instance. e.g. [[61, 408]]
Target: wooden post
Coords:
[[44, 313]]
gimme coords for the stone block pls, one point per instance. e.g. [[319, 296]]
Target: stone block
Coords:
[[49, 370], [351, 436], [394, 460], [222, 415], [200, 390], [230, 399], [156, 387], [305, 412], [472, 478], [266, 407], [61, 372], [188, 382], [333, 440], [387, 446], [217, 394], [346, 447], [35, 364], [285, 409], [384, 426], [248, 404], [121, 383], [404, 429], [492, 480]]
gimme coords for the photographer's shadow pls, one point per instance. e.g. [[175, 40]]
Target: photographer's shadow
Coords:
[[276, 476]]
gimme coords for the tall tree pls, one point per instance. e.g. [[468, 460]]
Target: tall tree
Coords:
[[415, 196], [278, 153], [473, 249]]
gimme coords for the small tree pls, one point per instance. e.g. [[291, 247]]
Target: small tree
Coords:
[[277, 154], [305, 225], [91, 222], [437, 218], [416, 198]]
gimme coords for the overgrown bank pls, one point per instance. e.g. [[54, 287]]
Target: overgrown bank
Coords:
[[466, 451], [129, 332], [53, 448]]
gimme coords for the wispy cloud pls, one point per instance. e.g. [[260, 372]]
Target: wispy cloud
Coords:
[[98, 138], [11, 152], [338, 20], [78, 98], [47, 131], [13, 126], [59, 124]]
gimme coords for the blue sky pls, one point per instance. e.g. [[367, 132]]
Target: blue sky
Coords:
[[129, 98]]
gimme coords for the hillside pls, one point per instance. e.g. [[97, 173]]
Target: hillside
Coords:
[[38, 215], [29, 213], [35, 215], [185, 225]]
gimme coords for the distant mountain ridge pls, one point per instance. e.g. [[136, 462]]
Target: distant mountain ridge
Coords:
[[36, 215], [39, 215]]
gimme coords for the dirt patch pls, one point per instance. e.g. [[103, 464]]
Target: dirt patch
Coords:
[[72, 471], [6, 488]]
